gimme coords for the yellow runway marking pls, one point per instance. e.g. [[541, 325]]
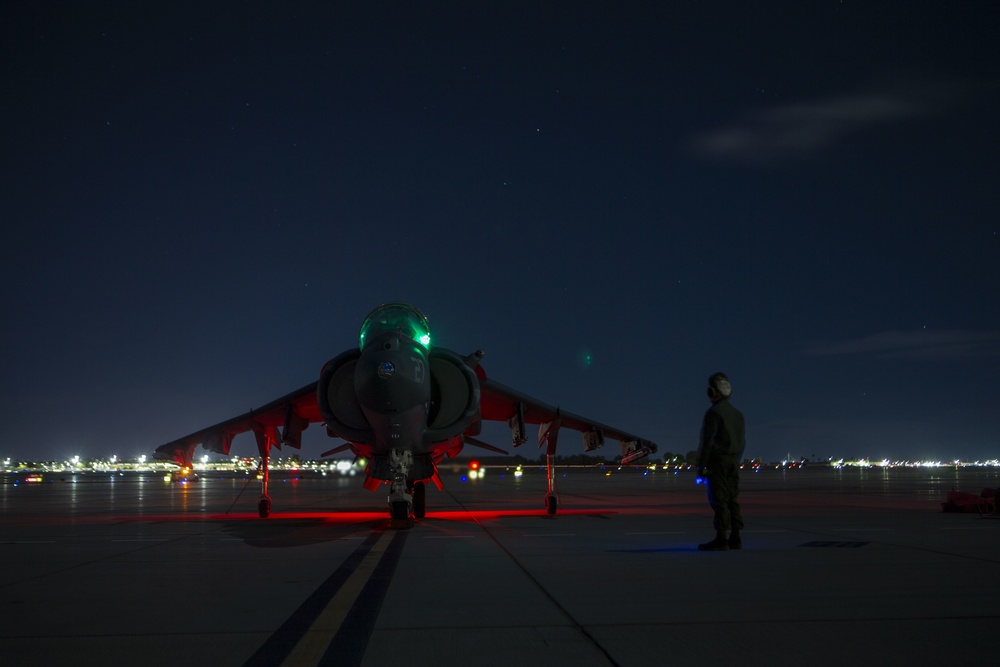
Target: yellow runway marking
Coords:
[[312, 646]]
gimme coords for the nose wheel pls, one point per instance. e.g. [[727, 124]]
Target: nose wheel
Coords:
[[264, 507], [399, 510]]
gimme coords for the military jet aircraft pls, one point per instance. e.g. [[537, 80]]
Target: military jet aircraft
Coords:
[[403, 405]]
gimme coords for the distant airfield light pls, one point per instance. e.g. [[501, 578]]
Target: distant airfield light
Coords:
[[166, 478]]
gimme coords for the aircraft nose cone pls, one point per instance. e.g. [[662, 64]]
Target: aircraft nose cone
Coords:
[[392, 380]]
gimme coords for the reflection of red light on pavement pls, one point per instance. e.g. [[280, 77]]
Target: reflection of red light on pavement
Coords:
[[343, 518], [492, 515]]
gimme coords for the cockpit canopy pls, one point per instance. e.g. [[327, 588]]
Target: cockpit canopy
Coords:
[[391, 317]]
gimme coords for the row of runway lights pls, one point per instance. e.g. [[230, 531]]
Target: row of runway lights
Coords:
[[477, 471]]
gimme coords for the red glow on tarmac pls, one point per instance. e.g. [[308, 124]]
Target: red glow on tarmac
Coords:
[[343, 517], [493, 515]]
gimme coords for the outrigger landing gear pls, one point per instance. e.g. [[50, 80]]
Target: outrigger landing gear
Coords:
[[548, 435], [551, 499], [267, 437], [264, 503]]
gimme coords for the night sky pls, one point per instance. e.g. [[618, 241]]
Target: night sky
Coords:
[[202, 200]]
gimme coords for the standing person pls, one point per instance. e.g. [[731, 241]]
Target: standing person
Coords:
[[720, 451]]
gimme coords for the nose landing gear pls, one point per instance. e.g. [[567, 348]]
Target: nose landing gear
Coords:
[[400, 501]]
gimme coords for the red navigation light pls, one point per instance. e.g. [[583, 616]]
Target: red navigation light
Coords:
[[474, 465]]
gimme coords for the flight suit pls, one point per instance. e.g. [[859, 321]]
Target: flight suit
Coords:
[[720, 450]]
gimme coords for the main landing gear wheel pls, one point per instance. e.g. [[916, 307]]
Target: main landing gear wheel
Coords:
[[419, 500], [551, 504], [264, 507]]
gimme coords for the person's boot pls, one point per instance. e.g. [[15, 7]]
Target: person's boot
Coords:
[[734, 540], [720, 543]]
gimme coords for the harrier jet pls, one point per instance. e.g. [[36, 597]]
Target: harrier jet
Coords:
[[403, 405]]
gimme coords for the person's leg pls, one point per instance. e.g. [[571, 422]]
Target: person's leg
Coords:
[[718, 497], [735, 513]]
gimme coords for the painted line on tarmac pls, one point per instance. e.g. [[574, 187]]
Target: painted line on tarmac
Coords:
[[139, 539], [776, 530], [333, 625], [863, 530]]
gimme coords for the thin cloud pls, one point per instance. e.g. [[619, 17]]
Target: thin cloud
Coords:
[[796, 131], [921, 345]]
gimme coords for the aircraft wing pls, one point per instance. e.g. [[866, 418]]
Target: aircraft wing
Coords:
[[501, 403], [279, 422]]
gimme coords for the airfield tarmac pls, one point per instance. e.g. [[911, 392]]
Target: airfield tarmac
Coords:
[[837, 566]]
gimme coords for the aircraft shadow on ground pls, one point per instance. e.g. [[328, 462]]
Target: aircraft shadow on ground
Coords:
[[281, 534]]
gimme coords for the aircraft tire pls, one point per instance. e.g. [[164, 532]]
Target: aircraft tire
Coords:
[[264, 508], [419, 500], [551, 504], [399, 510]]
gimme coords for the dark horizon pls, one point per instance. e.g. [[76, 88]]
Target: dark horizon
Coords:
[[204, 201]]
